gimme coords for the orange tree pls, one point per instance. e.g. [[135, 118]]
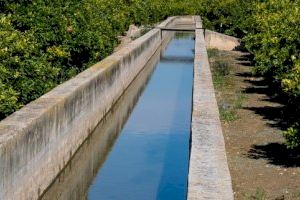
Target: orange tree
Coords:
[[275, 44], [45, 42]]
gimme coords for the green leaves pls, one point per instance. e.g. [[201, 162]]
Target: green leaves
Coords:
[[275, 45], [8, 100], [292, 136], [46, 42]]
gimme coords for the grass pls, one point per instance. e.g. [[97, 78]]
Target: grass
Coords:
[[296, 195], [221, 73], [221, 69], [212, 52], [228, 109], [228, 115], [259, 194], [218, 81], [240, 97]]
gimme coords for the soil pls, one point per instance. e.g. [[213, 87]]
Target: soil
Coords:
[[260, 165]]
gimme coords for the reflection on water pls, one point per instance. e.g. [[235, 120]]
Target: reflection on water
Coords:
[[147, 156]]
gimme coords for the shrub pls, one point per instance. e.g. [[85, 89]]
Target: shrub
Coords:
[[222, 67], [212, 52], [46, 42], [275, 45], [292, 136]]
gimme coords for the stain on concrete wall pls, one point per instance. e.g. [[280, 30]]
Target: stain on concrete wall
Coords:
[[37, 141]]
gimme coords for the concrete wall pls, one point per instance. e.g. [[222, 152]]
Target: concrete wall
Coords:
[[75, 179], [37, 141], [209, 177], [221, 41]]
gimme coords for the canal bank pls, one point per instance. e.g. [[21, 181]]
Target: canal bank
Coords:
[[37, 142], [209, 176], [149, 157]]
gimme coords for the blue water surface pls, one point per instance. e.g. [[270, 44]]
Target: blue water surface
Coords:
[[150, 158]]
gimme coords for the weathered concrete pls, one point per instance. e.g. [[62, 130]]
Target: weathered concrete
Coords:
[[74, 180], [209, 176], [37, 141], [221, 41]]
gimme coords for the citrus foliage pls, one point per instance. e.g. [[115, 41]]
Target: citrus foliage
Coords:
[[275, 44], [45, 42], [271, 32]]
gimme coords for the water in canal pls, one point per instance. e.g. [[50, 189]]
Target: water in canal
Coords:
[[140, 150]]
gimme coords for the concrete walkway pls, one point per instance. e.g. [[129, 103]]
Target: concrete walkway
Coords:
[[209, 176]]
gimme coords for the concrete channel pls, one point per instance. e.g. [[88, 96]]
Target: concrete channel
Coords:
[[38, 142]]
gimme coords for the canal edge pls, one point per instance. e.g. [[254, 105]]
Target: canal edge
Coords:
[[209, 176]]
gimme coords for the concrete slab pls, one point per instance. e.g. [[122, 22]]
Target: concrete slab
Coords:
[[209, 176]]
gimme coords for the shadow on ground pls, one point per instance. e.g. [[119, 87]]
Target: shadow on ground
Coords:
[[276, 154], [278, 114]]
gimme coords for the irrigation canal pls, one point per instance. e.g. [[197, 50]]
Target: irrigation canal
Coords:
[[140, 150]]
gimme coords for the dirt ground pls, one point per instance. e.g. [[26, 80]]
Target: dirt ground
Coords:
[[260, 165]]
